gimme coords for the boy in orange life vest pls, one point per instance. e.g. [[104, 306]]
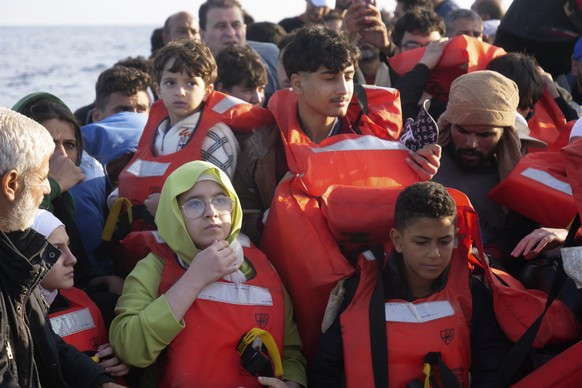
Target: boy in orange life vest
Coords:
[[72, 314], [184, 73], [320, 64], [187, 304], [431, 304]]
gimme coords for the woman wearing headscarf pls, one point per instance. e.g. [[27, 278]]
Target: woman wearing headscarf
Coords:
[[72, 314], [186, 306]]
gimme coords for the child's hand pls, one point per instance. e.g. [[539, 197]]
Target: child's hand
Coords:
[[110, 362], [214, 262]]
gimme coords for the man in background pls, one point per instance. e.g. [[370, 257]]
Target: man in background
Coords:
[[181, 25], [222, 25], [465, 22]]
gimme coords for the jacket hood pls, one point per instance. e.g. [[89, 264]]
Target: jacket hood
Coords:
[[114, 136], [169, 220]]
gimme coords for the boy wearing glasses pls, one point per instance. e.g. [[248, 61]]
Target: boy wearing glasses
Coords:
[[186, 305]]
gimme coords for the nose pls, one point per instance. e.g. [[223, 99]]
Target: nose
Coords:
[[60, 149], [229, 30], [181, 91], [257, 97], [69, 258], [209, 210], [434, 251], [471, 141], [343, 87]]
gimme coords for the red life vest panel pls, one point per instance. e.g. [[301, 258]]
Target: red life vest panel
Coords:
[[548, 121], [204, 353], [146, 173], [538, 188], [410, 338], [81, 324], [516, 308], [564, 370], [463, 54], [318, 214]]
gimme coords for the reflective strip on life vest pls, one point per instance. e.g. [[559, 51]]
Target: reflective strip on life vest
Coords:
[[240, 294], [72, 323], [147, 168], [367, 142], [417, 313], [227, 103], [548, 180]]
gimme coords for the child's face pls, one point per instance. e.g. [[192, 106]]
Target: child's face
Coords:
[[211, 225], [323, 92], [182, 94], [426, 246], [61, 274], [253, 95]]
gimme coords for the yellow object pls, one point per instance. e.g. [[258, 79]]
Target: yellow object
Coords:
[[95, 358], [426, 371], [113, 217], [269, 342]]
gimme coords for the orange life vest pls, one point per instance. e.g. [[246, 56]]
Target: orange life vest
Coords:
[[538, 188], [340, 199], [564, 370], [410, 340], [548, 121], [463, 54], [204, 353], [146, 173], [81, 324]]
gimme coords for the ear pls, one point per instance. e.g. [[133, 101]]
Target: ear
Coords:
[[96, 114], [396, 238], [10, 184], [297, 83], [209, 89], [156, 87]]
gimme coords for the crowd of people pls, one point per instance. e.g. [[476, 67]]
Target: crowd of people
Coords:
[[343, 198]]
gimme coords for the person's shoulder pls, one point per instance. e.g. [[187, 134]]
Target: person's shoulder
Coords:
[[266, 50]]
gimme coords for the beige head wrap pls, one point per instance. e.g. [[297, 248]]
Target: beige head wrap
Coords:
[[485, 98]]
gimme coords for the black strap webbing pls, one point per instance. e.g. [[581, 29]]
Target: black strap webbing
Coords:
[[378, 339]]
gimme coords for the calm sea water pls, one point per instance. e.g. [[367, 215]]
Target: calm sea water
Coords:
[[64, 61]]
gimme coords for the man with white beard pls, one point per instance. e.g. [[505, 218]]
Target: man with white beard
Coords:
[[31, 354]]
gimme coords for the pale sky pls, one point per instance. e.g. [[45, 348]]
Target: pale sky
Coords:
[[140, 12]]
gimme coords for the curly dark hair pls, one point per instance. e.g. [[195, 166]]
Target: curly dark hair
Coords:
[[316, 45], [192, 57], [121, 79], [420, 21], [424, 199], [240, 65]]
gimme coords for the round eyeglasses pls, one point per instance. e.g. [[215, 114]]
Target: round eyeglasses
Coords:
[[195, 208]]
